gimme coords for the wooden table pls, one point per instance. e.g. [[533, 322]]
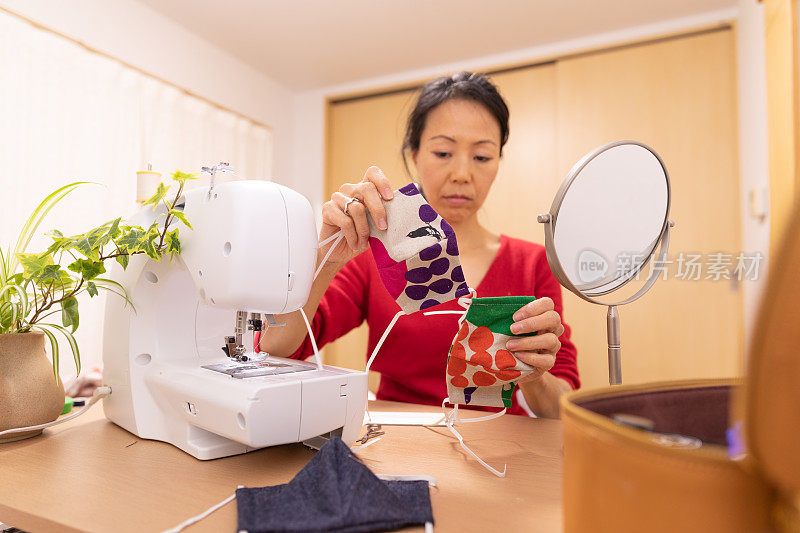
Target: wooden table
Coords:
[[90, 475]]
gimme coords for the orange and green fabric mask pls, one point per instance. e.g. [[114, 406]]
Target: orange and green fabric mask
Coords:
[[480, 370]]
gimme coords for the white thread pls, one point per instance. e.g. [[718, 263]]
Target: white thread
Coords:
[[338, 236], [202, 515], [313, 341], [452, 418], [100, 392], [383, 338]]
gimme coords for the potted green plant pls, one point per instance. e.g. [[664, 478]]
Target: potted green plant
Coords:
[[38, 298]]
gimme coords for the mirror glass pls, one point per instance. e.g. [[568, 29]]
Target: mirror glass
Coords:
[[612, 212]]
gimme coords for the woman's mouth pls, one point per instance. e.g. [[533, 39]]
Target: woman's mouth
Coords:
[[456, 200]]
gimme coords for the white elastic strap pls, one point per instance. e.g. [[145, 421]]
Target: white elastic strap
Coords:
[[428, 527], [313, 341], [383, 338], [338, 236], [100, 392], [464, 301], [202, 515], [449, 421]]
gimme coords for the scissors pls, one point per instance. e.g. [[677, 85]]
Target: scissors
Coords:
[[373, 430]]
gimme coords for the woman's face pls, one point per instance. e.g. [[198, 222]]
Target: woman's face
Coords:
[[458, 157]]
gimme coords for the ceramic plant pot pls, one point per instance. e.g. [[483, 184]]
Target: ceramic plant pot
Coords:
[[29, 394]]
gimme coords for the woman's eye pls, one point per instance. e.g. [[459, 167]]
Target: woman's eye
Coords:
[[482, 158], [441, 155]]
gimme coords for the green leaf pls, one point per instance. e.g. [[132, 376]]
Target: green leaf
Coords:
[[32, 264], [183, 177], [87, 268], [69, 313], [172, 242], [53, 348], [123, 260], [114, 229], [91, 288], [32, 224], [98, 237], [54, 233], [131, 240], [49, 274], [180, 215], [73, 344], [161, 192]]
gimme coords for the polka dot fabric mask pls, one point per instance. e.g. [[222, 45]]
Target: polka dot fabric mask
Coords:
[[480, 371], [417, 256]]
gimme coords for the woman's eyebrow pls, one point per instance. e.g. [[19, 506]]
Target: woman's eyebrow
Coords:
[[445, 137], [442, 137]]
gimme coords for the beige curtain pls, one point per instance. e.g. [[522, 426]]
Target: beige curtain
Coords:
[[69, 114]]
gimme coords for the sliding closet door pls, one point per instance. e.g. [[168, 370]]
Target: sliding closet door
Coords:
[[678, 95], [364, 132]]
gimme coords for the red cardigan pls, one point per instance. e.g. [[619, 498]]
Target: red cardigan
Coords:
[[413, 358]]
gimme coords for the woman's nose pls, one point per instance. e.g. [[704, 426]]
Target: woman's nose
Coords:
[[461, 172]]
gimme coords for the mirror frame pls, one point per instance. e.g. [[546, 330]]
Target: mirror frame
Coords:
[[550, 220]]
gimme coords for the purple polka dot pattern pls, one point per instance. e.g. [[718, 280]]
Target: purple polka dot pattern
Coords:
[[419, 275], [462, 290], [431, 253], [428, 303], [457, 274], [452, 247], [427, 214], [417, 292], [409, 190], [441, 286], [440, 266], [430, 276]]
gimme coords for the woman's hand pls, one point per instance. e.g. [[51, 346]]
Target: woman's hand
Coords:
[[538, 350], [353, 224]]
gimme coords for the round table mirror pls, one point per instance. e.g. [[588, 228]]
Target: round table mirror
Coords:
[[607, 220]]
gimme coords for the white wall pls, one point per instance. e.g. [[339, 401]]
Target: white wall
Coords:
[[145, 39]]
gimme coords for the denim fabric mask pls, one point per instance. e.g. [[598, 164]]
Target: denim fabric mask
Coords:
[[480, 370], [335, 491], [417, 256]]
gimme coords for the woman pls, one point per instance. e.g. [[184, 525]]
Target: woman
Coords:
[[455, 137]]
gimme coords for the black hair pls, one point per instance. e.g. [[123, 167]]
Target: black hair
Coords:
[[465, 86]]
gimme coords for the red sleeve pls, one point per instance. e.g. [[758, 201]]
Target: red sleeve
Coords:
[[566, 365], [342, 308]]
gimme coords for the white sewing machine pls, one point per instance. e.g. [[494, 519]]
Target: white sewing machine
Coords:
[[177, 371]]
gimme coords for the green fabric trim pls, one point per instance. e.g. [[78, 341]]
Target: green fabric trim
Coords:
[[496, 313], [507, 394]]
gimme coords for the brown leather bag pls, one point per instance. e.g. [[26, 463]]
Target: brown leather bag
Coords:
[[622, 478]]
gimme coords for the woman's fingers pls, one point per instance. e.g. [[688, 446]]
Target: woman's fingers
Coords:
[[549, 321], [367, 192], [534, 308], [332, 214], [357, 214], [547, 342], [545, 361], [376, 176]]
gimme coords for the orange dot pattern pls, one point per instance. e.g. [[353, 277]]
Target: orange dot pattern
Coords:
[[471, 364]]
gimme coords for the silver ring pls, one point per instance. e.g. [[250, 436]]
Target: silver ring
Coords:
[[347, 205]]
